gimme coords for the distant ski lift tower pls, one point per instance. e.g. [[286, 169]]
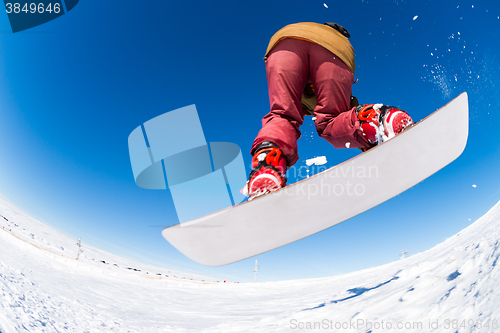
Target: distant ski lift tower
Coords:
[[404, 253], [256, 269], [79, 244]]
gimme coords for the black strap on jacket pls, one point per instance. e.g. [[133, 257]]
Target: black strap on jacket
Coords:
[[339, 28]]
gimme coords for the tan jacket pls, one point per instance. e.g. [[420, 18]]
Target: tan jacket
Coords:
[[321, 34]]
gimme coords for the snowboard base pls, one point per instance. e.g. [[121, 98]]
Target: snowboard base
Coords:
[[327, 198]]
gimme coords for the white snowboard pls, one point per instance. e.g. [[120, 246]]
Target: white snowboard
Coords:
[[329, 197]]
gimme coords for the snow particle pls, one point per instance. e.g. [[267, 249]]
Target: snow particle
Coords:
[[320, 160], [415, 17], [347, 144], [324, 4], [474, 185]]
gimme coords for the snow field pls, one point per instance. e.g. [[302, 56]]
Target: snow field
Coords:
[[449, 288]]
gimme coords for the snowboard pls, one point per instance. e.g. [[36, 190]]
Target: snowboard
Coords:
[[329, 197]]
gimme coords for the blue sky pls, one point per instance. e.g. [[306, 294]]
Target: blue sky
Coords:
[[73, 89]]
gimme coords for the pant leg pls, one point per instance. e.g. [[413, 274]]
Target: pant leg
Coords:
[[287, 75], [332, 82]]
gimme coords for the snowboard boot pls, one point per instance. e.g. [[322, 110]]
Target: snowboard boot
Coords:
[[380, 122], [268, 173]]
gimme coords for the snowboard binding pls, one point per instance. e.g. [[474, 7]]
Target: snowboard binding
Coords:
[[380, 123], [268, 171]]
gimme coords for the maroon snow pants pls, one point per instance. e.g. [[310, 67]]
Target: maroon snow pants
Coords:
[[290, 66]]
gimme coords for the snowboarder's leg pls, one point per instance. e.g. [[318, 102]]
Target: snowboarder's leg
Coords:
[[332, 82], [287, 74]]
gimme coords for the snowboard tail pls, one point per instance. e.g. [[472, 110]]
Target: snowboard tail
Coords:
[[329, 197]]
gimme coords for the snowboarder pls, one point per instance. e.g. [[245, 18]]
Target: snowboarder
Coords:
[[310, 71]]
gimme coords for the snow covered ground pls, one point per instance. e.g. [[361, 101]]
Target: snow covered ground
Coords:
[[452, 287]]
